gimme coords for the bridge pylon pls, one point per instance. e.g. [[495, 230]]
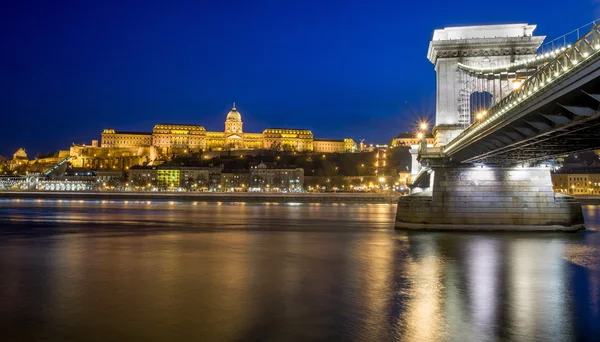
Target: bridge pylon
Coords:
[[459, 96], [547, 105]]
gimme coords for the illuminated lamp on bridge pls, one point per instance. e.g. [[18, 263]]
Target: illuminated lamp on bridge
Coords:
[[516, 84]]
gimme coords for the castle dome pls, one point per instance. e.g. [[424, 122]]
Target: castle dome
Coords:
[[234, 115]]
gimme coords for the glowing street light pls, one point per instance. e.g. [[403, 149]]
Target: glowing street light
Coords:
[[516, 84], [423, 126], [420, 135]]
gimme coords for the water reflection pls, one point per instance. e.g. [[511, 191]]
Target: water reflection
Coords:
[[245, 272]]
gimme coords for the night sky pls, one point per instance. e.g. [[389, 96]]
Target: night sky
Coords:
[[340, 68]]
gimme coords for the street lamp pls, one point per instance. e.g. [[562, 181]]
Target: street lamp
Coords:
[[516, 84], [420, 135], [423, 126]]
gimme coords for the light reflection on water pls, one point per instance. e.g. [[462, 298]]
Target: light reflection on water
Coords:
[[108, 270]]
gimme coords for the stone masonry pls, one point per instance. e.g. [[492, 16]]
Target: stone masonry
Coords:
[[474, 198]]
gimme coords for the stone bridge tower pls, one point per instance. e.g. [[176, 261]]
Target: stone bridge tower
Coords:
[[475, 46]]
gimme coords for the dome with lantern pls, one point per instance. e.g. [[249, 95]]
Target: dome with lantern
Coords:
[[234, 115]]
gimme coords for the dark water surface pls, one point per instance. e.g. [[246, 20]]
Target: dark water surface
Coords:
[[130, 271]]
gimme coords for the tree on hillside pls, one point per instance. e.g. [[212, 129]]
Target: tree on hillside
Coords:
[[287, 148], [399, 160], [276, 146], [41, 155]]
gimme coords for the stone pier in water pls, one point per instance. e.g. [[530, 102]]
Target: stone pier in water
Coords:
[[476, 198]]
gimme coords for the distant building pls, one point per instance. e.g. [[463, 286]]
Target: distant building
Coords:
[[115, 158], [142, 176], [112, 176], [20, 154], [185, 177], [111, 138], [19, 160], [276, 179], [334, 146], [120, 150], [12, 182], [581, 181], [235, 180], [75, 175], [167, 138], [410, 139]]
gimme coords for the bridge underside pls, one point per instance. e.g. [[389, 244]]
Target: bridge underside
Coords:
[[566, 123]]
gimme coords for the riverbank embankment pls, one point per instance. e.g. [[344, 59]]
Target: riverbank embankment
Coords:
[[206, 196]]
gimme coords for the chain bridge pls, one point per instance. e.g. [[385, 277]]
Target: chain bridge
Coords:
[[506, 106]]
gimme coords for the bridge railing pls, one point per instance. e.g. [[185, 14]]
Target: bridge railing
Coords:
[[571, 58], [546, 52], [567, 38]]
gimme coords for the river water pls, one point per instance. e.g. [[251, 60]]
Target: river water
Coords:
[[149, 271]]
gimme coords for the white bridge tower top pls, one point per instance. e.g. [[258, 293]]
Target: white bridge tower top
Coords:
[[480, 46]]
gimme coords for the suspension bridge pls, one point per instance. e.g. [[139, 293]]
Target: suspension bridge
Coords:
[[506, 106]]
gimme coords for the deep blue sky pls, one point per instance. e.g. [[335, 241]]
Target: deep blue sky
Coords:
[[340, 68]]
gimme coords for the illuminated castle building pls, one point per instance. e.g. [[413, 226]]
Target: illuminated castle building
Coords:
[[169, 137], [121, 150]]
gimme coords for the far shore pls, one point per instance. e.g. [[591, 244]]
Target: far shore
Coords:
[[206, 196]]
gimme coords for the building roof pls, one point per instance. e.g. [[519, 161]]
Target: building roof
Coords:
[[234, 115], [286, 130], [20, 154], [483, 31], [272, 166], [133, 133], [178, 126], [141, 167], [235, 171], [108, 171], [579, 171]]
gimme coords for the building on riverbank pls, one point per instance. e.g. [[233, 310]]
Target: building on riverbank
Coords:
[[578, 181], [276, 179]]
